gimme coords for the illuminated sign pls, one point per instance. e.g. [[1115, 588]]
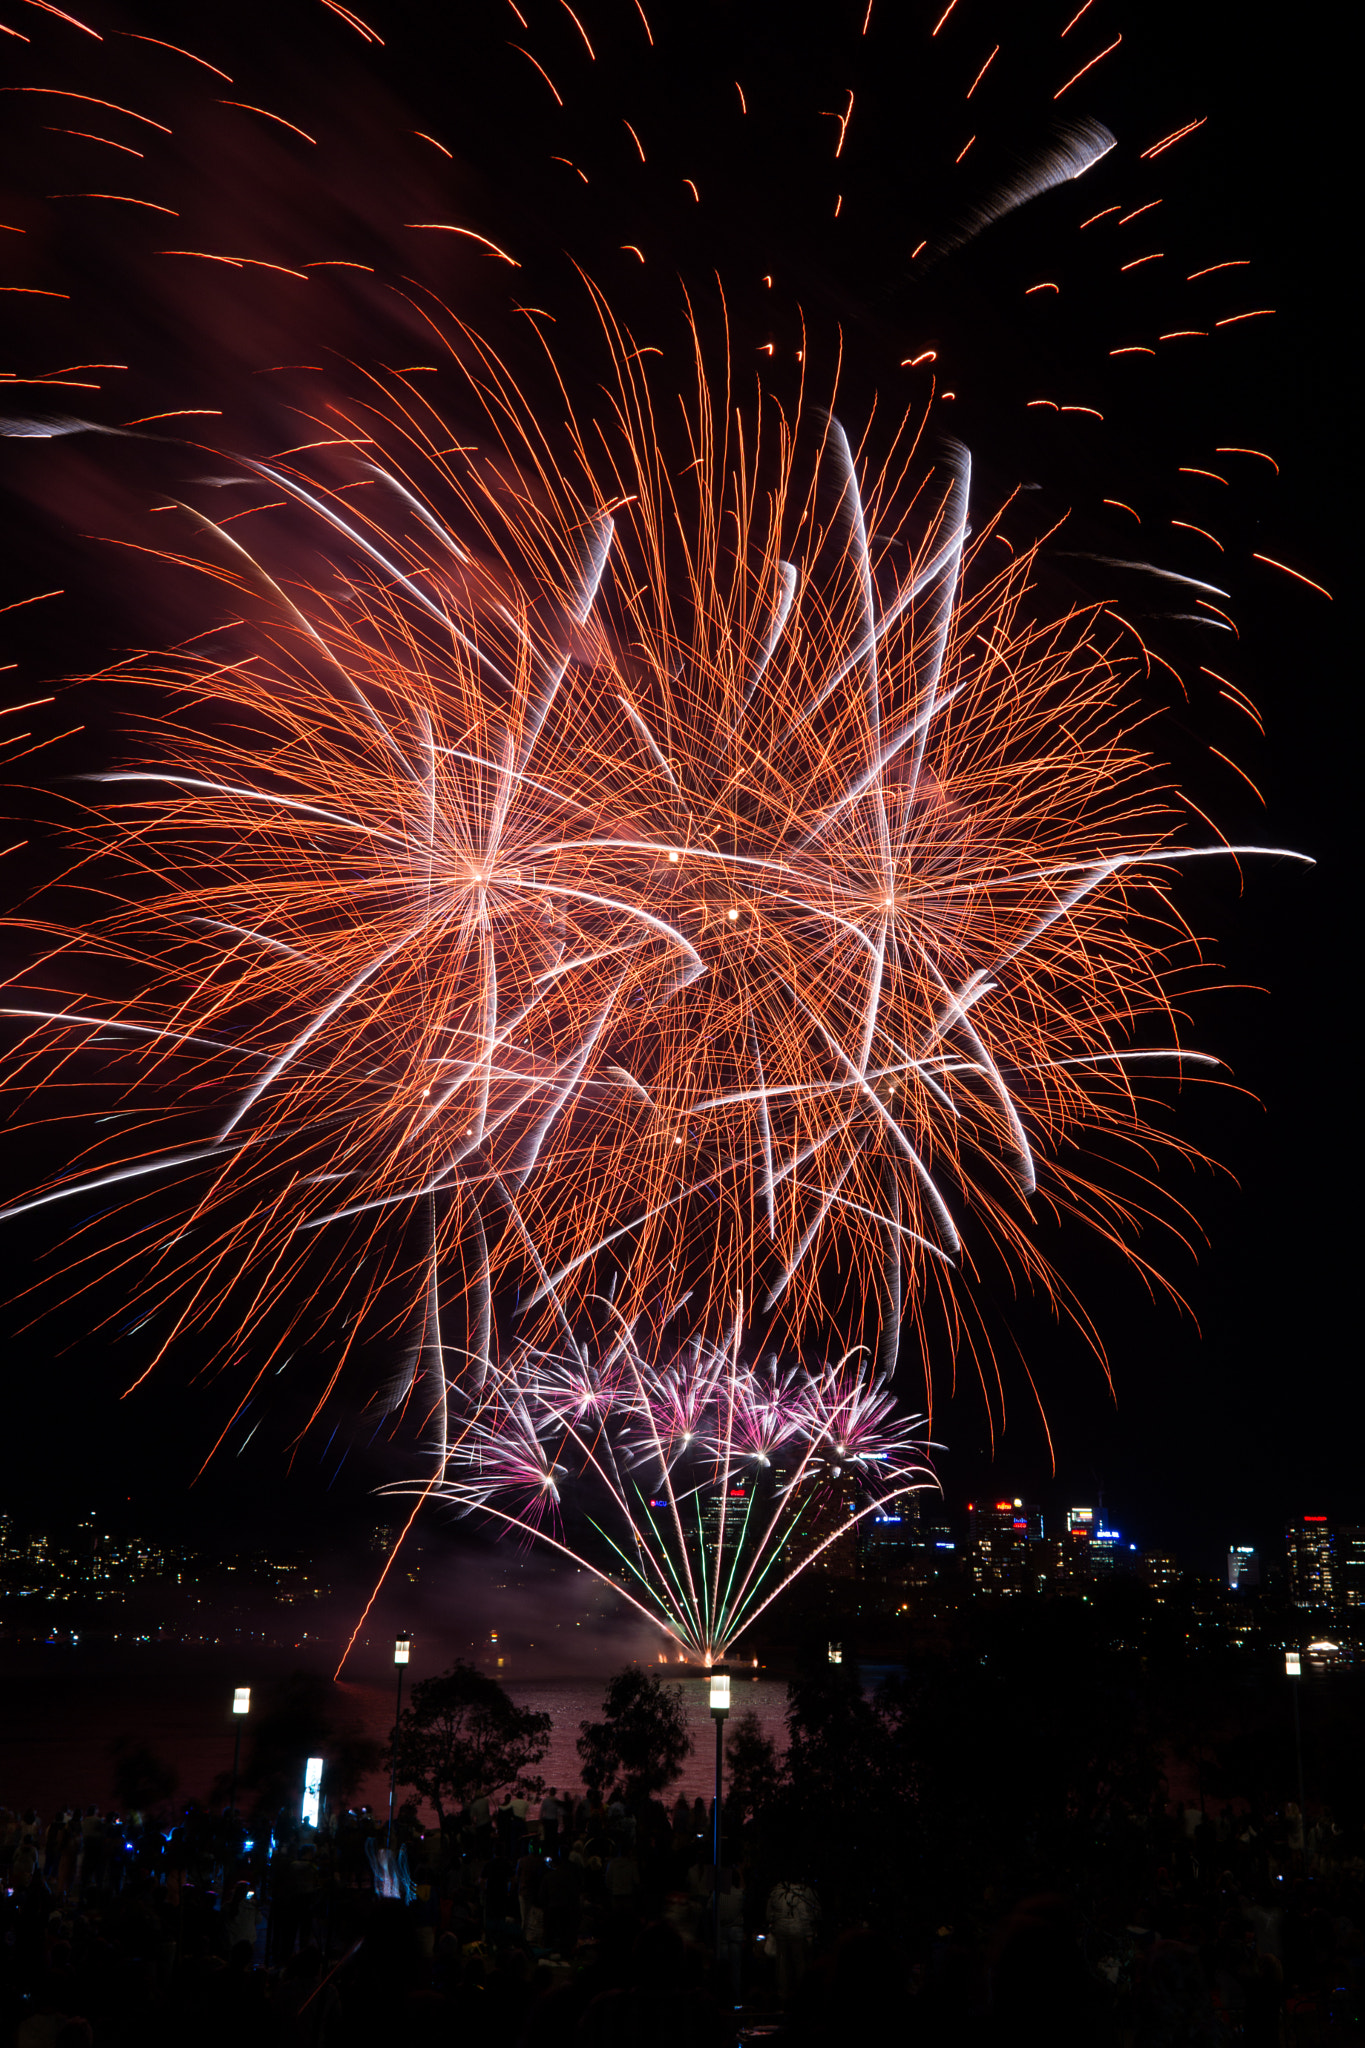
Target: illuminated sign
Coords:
[[312, 1791]]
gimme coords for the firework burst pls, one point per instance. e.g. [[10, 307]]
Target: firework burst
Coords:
[[701, 1526], [652, 859]]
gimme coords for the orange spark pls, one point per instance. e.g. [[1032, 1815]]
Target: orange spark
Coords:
[[1077, 76]]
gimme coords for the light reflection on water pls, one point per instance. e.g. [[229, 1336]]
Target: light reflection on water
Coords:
[[59, 1714]]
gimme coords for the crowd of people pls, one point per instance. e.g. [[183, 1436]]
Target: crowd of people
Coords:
[[579, 1922]]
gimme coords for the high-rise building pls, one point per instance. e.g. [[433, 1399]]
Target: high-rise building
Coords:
[[1350, 1567], [1001, 1533], [889, 1539], [731, 1502], [1311, 1545], [1074, 1563], [1161, 1571], [1244, 1567], [918, 1550]]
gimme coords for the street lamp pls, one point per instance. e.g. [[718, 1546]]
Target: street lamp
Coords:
[[720, 1709], [402, 1651], [241, 1707], [1293, 1669]]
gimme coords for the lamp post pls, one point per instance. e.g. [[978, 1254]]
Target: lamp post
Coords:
[[402, 1650], [1293, 1670], [720, 1708], [241, 1707]]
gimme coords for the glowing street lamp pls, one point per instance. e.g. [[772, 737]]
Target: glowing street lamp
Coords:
[[402, 1651], [241, 1707], [720, 1708]]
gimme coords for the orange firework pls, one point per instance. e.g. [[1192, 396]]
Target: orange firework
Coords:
[[650, 857]]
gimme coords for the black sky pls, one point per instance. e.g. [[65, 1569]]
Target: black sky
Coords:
[[1246, 1408]]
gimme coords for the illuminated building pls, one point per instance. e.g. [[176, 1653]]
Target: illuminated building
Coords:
[[1311, 1544], [736, 1500], [888, 1539], [909, 1544], [1001, 1539], [1350, 1567], [1159, 1570], [1244, 1567], [840, 1560]]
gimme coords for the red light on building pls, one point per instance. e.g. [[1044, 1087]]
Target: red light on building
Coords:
[[1002, 1507], [1315, 1518]]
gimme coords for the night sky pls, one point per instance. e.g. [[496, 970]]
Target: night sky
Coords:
[[1227, 1418]]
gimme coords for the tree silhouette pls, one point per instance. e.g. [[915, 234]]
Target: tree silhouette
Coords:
[[142, 1780], [643, 1743], [751, 1757], [462, 1734]]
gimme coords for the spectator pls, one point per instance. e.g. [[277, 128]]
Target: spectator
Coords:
[[551, 1811]]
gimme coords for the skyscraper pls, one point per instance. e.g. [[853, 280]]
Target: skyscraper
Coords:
[[1311, 1545], [1244, 1567], [1350, 1566], [1001, 1532]]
